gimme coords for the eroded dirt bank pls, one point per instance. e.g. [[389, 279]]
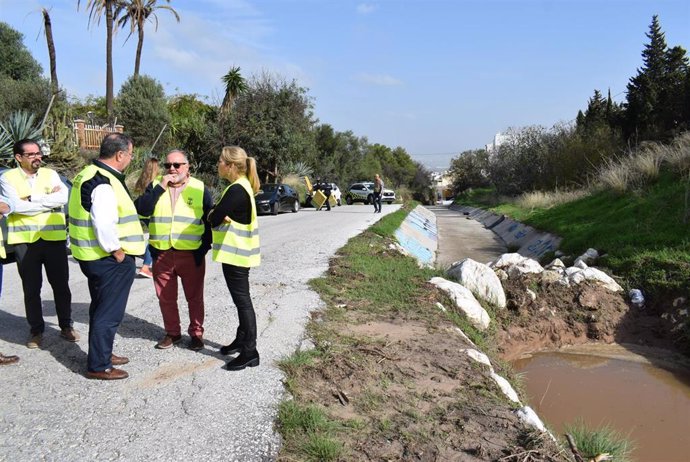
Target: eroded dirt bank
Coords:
[[553, 316]]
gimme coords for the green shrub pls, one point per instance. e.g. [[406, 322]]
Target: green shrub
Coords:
[[141, 107]]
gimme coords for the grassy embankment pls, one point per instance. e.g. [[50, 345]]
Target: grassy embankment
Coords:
[[634, 212], [366, 282]]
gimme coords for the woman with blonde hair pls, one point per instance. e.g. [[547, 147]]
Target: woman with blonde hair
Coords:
[[236, 246], [148, 173]]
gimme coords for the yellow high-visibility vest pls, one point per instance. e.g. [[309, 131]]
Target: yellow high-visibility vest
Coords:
[[25, 229], [81, 233], [235, 243], [183, 227]]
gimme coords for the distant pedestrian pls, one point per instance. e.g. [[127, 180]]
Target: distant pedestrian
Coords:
[[148, 173], [38, 232], [327, 190], [179, 238], [236, 246], [378, 193], [5, 209], [106, 234]]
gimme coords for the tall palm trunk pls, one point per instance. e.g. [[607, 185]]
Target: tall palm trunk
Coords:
[[140, 46], [51, 52], [109, 96]]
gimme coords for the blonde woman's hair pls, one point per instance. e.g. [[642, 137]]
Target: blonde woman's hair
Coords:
[[245, 165], [148, 173]]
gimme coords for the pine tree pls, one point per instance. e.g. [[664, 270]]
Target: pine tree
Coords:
[[644, 88], [672, 95]]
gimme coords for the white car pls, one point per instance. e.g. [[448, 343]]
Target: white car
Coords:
[[364, 192], [335, 192]]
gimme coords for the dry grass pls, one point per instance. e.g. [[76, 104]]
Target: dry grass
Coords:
[[548, 199], [643, 165], [678, 154], [614, 175]]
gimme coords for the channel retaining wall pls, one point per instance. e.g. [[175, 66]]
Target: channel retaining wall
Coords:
[[528, 241], [418, 235]]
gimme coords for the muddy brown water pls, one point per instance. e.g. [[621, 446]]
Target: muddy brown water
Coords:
[[623, 390]]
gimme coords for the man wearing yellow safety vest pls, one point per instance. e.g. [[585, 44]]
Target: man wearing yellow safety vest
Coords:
[[105, 234], [38, 233], [179, 239], [5, 209]]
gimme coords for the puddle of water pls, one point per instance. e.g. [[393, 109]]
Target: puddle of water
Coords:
[[649, 404]]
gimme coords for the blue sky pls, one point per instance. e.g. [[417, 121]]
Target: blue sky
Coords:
[[434, 77]]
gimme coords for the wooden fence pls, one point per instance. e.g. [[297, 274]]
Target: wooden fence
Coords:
[[90, 136]]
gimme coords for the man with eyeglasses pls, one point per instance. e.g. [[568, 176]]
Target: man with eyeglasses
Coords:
[[106, 235], [179, 239], [36, 228]]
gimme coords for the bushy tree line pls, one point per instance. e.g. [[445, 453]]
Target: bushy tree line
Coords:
[[657, 108]]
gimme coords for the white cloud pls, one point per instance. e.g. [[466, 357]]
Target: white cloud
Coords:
[[378, 79], [197, 59], [366, 8]]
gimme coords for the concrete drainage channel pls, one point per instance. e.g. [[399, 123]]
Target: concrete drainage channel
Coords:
[[418, 237], [528, 241]]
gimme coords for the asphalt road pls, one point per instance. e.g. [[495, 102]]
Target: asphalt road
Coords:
[[177, 404]]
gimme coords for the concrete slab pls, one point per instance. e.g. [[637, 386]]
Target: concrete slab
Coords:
[[459, 237]]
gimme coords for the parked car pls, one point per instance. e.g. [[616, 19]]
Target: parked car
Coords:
[[364, 192], [274, 198], [335, 192]]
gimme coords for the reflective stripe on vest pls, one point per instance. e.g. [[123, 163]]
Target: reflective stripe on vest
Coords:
[[182, 228], [235, 243], [2, 239], [82, 236], [25, 229]]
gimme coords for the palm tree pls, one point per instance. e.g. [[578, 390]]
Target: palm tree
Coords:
[[234, 85], [136, 12], [98, 8], [51, 51]]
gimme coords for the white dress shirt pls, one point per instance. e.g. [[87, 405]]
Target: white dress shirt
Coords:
[[40, 202], [104, 217], [7, 201]]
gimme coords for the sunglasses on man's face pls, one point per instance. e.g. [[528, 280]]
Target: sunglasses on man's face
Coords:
[[177, 165]]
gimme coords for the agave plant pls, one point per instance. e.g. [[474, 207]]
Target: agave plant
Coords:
[[19, 125], [299, 169]]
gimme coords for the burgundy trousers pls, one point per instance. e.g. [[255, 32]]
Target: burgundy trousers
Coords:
[[170, 265]]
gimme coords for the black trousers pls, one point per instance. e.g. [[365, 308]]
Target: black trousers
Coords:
[[109, 286], [377, 201], [237, 280], [31, 258]]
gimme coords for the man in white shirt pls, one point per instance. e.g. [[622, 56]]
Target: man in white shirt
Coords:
[[36, 228], [105, 234]]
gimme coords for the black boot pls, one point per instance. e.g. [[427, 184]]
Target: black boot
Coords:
[[231, 349], [247, 358], [235, 346]]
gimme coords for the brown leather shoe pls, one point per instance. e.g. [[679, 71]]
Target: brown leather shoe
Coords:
[[69, 334], [108, 374], [5, 360], [118, 360], [196, 344], [34, 341], [168, 341]]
